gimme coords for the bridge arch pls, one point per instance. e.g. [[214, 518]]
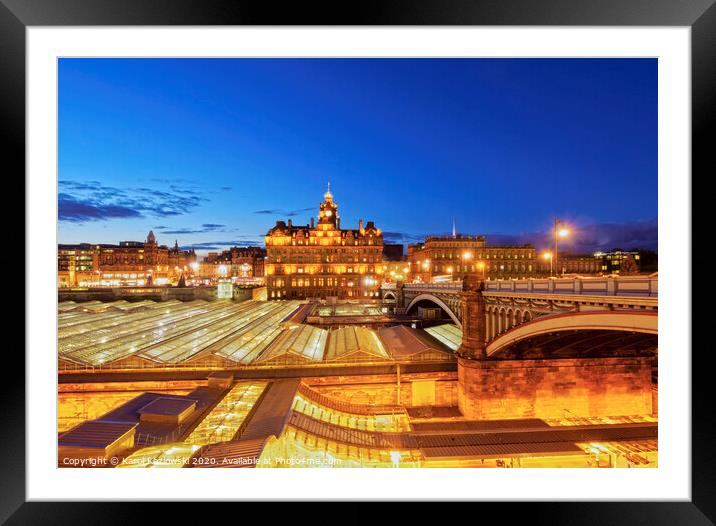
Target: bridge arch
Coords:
[[624, 321], [437, 301], [390, 295]]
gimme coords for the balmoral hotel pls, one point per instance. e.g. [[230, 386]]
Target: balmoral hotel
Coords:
[[322, 260]]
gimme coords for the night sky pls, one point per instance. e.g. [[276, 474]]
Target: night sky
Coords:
[[212, 152]]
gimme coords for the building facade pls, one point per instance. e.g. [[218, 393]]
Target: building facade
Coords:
[[133, 263], [237, 263], [180, 262], [128, 264], [454, 257], [321, 260], [78, 265], [583, 264], [620, 261]]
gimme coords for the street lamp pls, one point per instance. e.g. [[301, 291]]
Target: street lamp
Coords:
[[560, 231], [548, 255], [481, 268], [449, 269]]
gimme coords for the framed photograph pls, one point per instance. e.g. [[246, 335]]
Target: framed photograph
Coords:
[[424, 239]]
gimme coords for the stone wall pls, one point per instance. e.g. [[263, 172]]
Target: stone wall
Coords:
[[382, 389], [555, 388]]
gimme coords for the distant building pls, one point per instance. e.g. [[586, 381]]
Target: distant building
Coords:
[[248, 262], [240, 263], [129, 263], [133, 263], [583, 264], [180, 262], [636, 261], [77, 264], [322, 260], [456, 256]]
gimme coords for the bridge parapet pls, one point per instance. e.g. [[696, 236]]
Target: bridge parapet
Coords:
[[591, 286], [436, 287]]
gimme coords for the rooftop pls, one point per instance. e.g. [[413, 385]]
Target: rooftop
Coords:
[[167, 406], [224, 333]]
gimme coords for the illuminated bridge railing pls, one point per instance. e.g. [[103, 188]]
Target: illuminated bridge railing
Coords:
[[588, 286], [455, 286]]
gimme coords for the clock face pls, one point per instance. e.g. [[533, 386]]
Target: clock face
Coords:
[[329, 213]]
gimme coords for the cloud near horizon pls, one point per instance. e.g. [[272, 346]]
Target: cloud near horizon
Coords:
[[81, 202], [285, 213], [222, 245], [205, 228]]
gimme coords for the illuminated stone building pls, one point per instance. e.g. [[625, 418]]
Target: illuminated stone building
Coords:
[[133, 263], [180, 262], [247, 262], [321, 260], [446, 257], [240, 263], [130, 263], [584, 264]]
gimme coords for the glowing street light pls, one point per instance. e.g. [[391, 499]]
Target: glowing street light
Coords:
[[548, 256], [560, 231]]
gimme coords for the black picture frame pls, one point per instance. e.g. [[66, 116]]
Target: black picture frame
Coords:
[[699, 15]]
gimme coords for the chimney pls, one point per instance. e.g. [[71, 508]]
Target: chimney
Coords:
[[360, 224], [312, 223], [290, 223]]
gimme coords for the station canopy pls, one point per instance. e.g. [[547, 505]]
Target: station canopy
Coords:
[[355, 343], [449, 334], [223, 333]]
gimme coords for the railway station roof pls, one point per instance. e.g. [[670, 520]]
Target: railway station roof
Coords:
[[449, 334], [223, 333], [356, 342]]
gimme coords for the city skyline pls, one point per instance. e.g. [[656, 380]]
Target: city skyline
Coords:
[[176, 146]]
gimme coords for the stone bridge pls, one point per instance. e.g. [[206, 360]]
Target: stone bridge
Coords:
[[508, 304], [548, 348]]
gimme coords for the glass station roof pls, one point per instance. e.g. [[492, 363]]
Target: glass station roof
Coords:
[[448, 334], [169, 333], [246, 333], [351, 340], [222, 423], [303, 341]]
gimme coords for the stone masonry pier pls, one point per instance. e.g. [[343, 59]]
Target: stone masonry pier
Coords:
[[554, 388]]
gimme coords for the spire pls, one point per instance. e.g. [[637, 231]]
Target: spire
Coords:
[[328, 195], [454, 232]]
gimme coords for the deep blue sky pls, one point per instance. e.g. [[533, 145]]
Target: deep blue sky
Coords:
[[213, 151]]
